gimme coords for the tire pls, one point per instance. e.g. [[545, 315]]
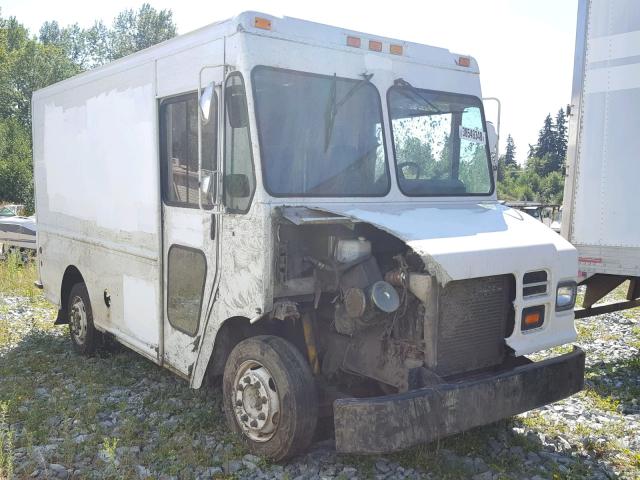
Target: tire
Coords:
[[84, 336], [279, 377]]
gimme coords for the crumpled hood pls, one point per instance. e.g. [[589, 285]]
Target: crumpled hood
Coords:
[[460, 241]]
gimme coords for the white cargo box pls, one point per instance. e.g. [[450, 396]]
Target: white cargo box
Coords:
[[603, 159]]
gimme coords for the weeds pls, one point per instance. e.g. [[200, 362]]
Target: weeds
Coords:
[[6, 443], [602, 402], [109, 447], [17, 277]]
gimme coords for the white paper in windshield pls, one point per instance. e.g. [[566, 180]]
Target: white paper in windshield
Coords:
[[471, 134]]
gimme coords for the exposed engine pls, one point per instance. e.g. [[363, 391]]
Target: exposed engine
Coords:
[[373, 312]]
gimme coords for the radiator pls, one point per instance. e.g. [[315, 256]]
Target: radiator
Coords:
[[472, 321]]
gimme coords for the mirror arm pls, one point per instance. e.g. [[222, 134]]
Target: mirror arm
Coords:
[[224, 67], [199, 146], [497, 100]]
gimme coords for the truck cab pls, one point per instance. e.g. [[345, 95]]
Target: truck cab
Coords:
[[328, 239]]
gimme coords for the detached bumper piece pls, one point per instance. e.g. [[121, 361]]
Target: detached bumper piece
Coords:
[[394, 422]]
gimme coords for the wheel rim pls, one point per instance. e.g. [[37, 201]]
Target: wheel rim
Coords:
[[255, 401], [78, 320]]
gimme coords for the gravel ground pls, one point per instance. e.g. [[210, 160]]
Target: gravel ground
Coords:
[[117, 415]]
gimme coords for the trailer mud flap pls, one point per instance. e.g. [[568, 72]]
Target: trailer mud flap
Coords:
[[395, 422]]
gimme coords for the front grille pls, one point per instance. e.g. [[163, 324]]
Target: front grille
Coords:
[[472, 322]]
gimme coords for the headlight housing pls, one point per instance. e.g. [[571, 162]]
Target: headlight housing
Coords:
[[566, 296]]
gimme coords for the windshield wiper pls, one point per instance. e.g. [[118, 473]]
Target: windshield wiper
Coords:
[[332, 106], [401, 82]]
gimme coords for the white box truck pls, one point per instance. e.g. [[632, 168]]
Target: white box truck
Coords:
[[310, 213], [600, 211]]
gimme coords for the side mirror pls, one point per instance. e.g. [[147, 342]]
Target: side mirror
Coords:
[[237, 185], [207, 182], [206, 101], [236, 106]]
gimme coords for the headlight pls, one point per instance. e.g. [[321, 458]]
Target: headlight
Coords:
[[566, 296]]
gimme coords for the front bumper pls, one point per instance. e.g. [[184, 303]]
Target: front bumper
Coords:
[[395, 422]]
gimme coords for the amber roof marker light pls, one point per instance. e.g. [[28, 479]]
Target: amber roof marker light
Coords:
[[395, 49], [263, 23], [353, 41], [375, 45], [464, 61]]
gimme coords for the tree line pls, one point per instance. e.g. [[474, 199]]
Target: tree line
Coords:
[[541, 178], [29, 62]]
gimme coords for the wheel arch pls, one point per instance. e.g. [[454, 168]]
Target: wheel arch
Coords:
[[231, 331], [70, 277]]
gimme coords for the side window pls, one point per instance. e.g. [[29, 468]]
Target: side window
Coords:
[[186, 273], [179, 150], [239, 175]]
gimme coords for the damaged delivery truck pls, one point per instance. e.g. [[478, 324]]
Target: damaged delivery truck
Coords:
[[311, 214]]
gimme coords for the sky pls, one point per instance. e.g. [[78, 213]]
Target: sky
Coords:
[[524, 47]]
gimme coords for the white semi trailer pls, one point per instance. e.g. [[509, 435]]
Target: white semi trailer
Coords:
[[600, 212], [311, 213]]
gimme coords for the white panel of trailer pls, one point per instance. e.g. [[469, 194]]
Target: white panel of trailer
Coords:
[[607, 167]]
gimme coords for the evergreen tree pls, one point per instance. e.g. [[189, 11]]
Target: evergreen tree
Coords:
[[510, 152], [546, 138], [561, 139]]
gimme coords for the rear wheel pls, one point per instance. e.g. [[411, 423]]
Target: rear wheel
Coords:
[[83, 334], [270, 398]]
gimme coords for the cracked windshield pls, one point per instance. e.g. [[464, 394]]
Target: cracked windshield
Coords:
[[319, 135], [440, 143]]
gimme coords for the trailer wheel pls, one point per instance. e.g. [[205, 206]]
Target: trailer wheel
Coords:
[[83, 333], [270, 397]]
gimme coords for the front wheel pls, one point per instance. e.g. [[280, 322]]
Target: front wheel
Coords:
[[83, 334], [270, 398]]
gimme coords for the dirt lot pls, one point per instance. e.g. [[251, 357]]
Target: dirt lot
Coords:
[[117, 415]]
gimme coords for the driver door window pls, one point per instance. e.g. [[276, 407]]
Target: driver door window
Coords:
[[179, 151]]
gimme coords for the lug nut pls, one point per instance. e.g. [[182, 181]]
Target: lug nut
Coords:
[[262, 416], [238, 403], [254, 423], [244, 418]]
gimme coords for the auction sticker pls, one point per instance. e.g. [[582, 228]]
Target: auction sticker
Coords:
[[471, 134]]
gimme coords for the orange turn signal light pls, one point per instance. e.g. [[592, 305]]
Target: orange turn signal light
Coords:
[[375, 45], [532, 317], [263, 23], [353, 41]]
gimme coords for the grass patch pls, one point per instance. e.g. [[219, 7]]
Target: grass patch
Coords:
[[586, 332], [16, 277], [6, 443], [612, 379], [601, 402]]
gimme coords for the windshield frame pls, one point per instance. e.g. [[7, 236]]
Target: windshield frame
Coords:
[[474, 100], [368, 84]]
